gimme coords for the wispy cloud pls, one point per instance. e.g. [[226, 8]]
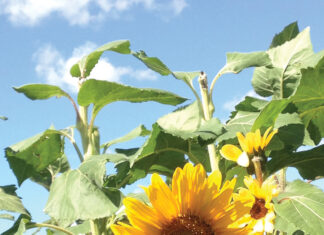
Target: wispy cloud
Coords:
[[54, 68], [81, 12], [230, 105]]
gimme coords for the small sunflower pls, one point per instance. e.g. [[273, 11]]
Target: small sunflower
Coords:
[[195, 204], [261, 215], [252, 144]]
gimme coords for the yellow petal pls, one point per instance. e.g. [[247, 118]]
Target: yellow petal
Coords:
[[230, 152], [242, 141], [263, 141], [243, 160], [268, 139]]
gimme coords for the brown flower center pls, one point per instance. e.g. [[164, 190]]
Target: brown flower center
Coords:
[[187, 225], [258, 210]]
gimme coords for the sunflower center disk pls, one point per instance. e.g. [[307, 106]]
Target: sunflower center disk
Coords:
[[258, 210], [187, 225]]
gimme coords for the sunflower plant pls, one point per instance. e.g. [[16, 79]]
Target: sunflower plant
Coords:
[[208, 177]]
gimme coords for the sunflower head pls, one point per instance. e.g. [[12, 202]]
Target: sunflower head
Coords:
[[252, 144], [195, 204], [261, 214]]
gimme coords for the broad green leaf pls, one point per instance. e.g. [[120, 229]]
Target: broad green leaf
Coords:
[[9, 201], [242, 122], [94, 167], [74, 196], [230, 170], [309, 163], [19, 227], [283, 225], [249, 104], [288, 33], [83, 228], [269, 114], [302, 204], [87, 63], [236, 62], [309, 97], [40, 91], [101, 93], [138, 131], [187, 77], [30, 157], [287, 59], [153, 63]]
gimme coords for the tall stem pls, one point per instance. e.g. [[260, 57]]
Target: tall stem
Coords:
[[257, 168], [282, 179], [206, 104]]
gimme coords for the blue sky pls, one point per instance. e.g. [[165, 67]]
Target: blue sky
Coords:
[[39, 40]]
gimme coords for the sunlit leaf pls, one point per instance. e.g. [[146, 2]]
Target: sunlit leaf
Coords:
[[287, 59], [302, 205], [19, 227], [87, 63], [187, 77], [153, 63], [236, 62], [40, 91], [30, 157], [74, 196], [101, 93], [9, 201]]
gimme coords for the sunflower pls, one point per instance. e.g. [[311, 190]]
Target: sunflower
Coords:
[[261, 215], [253, 144], [195, 204]]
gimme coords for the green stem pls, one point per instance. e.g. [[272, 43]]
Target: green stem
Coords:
[[94, 227], [282, 178], [207, 114], [76, 147], [257, 169], [39, 225]]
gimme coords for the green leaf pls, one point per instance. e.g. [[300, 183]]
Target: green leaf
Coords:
[[83, 228], [88, 62], [283, 225], [287, 59], [46, 176], [236, 62], [19, 226], [30, 157], [74, 196], [101, 93], [9, 201], [40, 91], [138, 131], [269, 114], [187, 77], [309, 97], [3, 118], [153, 63], [288, 33], [7, 216], [302, 205], [309, 163], [94, 167]]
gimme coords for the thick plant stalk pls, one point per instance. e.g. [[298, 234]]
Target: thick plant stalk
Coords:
[[257, 168], [207, 115]]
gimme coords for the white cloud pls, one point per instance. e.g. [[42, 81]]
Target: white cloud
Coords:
[[54, 68], [81, 12], [230, 105]]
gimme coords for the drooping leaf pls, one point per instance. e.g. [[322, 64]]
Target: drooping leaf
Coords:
[[40, 91], [30, 157], [74, 196], [101, 93], [3, 118], [153, 63], [288, 33], [7, 216], [302, 205], [187, 77], [269, 114], [309, 97], [138, 131], [236, 62], [282, 79], [9, 201], [309, 163], [19, 227], [87, 63]]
